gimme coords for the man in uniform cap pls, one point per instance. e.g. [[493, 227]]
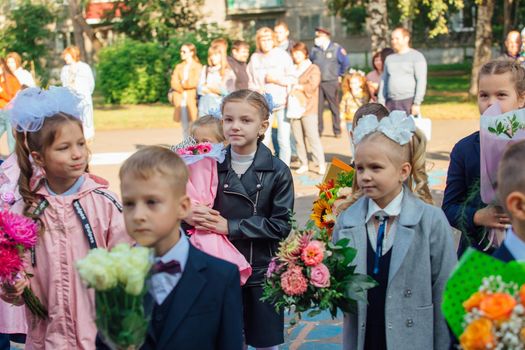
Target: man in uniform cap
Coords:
[[333, 63]]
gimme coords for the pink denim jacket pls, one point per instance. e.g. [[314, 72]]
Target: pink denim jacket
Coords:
[[56, 282]]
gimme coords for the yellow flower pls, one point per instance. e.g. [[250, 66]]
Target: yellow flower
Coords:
[[322, 212], [97, 270]]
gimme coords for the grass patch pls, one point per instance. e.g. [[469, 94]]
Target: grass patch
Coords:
[[446, 98]]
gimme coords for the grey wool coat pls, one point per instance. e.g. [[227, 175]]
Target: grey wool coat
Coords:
[[423, 257]]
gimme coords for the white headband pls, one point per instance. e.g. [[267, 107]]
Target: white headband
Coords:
[[31, 106], [397, 126]]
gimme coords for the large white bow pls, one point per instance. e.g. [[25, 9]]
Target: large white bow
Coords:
[[397, 126]]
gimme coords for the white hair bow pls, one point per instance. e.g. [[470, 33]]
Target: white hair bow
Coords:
[[28, 110], [397, 126]]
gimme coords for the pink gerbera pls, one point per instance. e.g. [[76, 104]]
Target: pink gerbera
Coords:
[[17, 229], [10, 263]]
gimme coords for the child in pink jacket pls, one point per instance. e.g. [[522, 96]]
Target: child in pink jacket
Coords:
[[77, 212]]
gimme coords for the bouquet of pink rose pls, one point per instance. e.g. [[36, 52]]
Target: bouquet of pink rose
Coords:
[[310, 273], [18, 235]]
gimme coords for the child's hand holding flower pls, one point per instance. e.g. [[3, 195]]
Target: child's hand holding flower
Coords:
[[11, 293]]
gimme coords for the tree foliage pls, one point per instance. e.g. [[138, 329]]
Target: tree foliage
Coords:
[[27, 33], [436, 12], [155, 20]]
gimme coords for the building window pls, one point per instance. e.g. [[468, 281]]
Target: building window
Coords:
[[307, 25]]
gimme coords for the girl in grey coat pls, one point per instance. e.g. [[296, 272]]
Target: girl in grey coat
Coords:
[[402, 242]]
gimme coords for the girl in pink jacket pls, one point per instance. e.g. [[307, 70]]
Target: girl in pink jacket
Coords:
[[76, 210]]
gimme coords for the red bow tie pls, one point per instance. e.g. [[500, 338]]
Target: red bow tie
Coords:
[[171, 267]]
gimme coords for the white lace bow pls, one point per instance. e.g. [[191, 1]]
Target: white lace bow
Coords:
[[397, 126]]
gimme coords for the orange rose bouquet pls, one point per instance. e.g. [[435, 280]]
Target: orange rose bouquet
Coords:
[[484, 303]]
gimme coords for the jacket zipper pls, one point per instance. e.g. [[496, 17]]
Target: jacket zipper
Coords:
[[254, 213]]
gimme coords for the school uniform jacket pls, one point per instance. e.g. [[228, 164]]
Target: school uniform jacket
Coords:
[[422, 258], [206, 308]]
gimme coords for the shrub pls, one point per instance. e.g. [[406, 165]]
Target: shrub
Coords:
[[132, 72]]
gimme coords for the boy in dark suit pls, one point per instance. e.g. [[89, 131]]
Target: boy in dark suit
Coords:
[[195, 298], [511, 192]]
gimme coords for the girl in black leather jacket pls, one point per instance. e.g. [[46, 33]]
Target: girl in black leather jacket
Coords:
[[254, 199]]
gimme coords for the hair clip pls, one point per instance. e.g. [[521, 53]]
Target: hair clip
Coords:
[[215, 112], [397, 126]]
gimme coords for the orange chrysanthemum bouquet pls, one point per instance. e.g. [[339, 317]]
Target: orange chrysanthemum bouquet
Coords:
[[484, 303]]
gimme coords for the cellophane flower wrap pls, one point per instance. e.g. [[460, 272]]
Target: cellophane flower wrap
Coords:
[[497, 132], [312, 274], [201, 160], [118, 277], [484, 303], [18, 235]]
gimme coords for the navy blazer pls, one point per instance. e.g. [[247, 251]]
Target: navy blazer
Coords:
[[206, 312], [463, 173], [503, 254]]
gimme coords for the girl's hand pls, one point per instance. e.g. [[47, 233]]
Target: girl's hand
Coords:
[[491, 217], [11, 293], [212, 221]]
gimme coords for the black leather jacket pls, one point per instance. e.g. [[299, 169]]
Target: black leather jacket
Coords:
[[257, 207]]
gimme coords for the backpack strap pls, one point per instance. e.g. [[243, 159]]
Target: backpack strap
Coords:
[[111, 198]]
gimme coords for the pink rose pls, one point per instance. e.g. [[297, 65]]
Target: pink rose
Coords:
[[320, 276], [293, 281], [313, 254], [8, 197]]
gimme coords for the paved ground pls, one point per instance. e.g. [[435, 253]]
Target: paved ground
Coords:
[[111, 148]]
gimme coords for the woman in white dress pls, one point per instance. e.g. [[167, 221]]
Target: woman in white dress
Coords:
[[78, 76]]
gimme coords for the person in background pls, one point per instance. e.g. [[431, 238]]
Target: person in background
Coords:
[[9, 86], [373, 78], [238, 63], [355, 95], [307, 90], [404, 79], [78, 76], [333, 62], [282, 34], [270, 71], [216, 81], [14, 62], [184, 81], [512, 46]]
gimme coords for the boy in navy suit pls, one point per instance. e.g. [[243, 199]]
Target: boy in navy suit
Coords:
[[195, 299], [511, 191]]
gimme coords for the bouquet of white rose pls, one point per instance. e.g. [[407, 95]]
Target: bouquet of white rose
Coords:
[[118, 278]]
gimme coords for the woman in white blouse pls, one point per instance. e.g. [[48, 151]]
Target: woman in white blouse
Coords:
[[14, 62], [78, 76]]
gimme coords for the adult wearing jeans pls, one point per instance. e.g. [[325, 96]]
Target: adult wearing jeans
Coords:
[[404, 78], [333, 63], [307, 90], [270, 71]]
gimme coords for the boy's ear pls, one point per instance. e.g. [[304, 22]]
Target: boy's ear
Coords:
[[515, 204], [521, 100], [184, 207], [39, 160]]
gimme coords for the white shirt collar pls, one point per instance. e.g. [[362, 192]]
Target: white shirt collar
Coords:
[[515, 245], [392, 209], [179, 252]]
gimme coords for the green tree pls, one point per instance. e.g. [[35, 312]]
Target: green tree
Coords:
[[157, 20], [378, 15], [27, 33]]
